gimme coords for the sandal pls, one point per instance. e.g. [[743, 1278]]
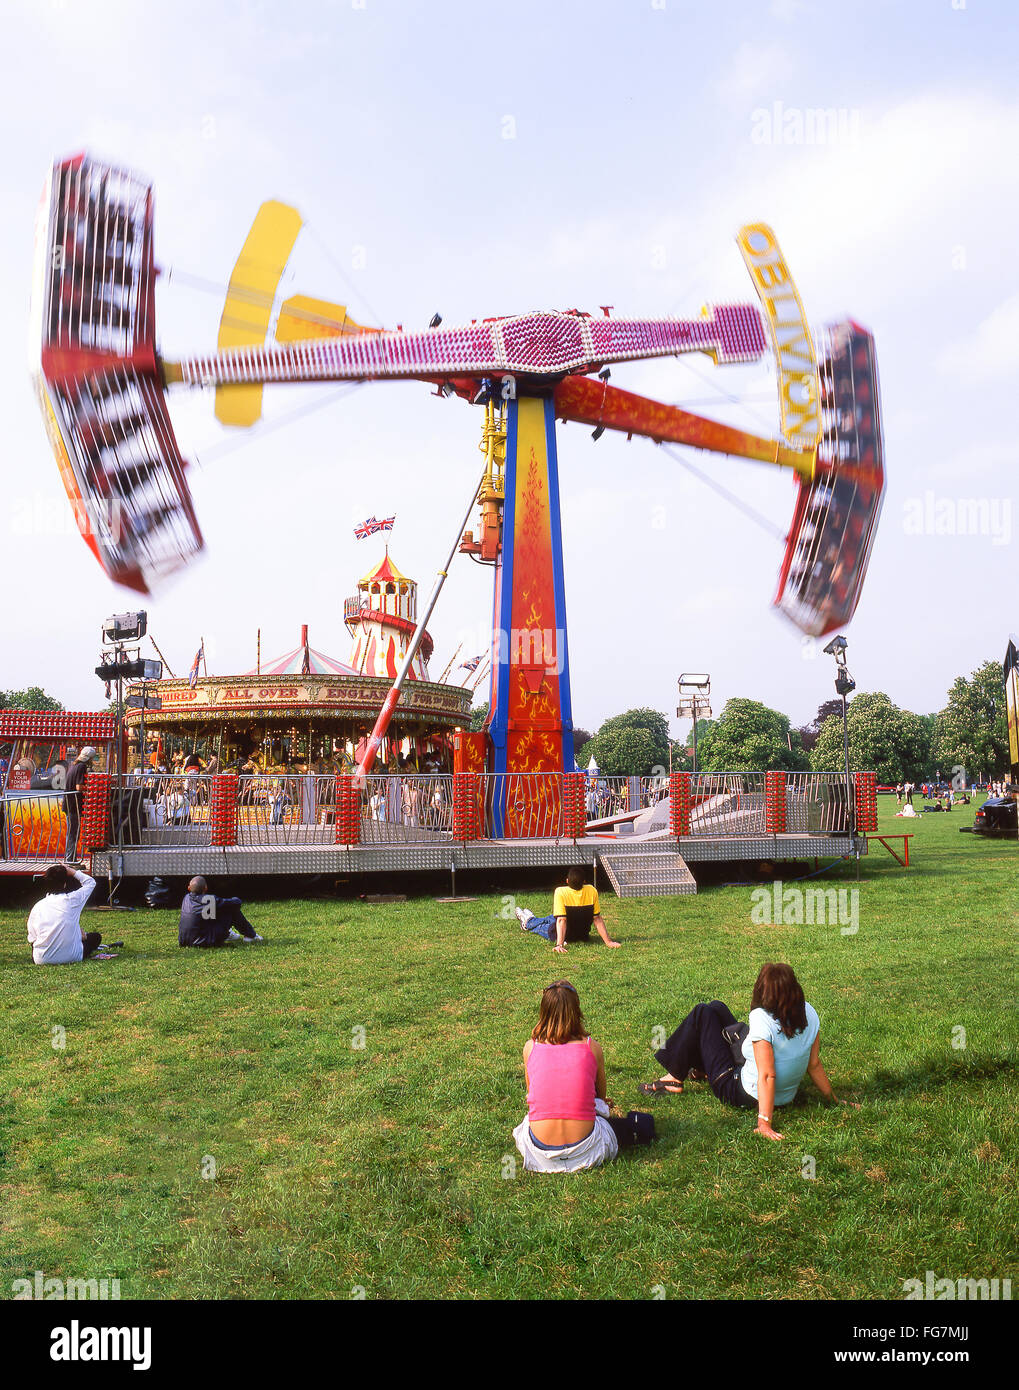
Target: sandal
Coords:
[[665, 1088]]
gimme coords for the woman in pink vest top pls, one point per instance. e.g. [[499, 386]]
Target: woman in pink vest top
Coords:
[[567, 1125]]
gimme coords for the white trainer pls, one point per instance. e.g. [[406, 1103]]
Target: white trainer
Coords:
[[524, 915]]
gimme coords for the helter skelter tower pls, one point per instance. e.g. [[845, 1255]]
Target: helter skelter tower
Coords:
[[103, 388]]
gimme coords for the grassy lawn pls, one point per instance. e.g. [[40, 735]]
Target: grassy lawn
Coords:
[[388, 1167]]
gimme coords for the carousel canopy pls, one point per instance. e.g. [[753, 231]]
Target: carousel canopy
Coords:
[[303, 660]]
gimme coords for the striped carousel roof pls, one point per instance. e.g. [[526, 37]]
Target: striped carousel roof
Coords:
[[303, 660]]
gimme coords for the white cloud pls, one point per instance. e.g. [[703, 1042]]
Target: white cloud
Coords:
[[990, 352], [754, 69], [786, 10]]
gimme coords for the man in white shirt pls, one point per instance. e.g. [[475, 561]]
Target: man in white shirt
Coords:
[[54, 924]]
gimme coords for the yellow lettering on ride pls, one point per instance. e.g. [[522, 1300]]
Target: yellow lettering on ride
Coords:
[[794, 349]]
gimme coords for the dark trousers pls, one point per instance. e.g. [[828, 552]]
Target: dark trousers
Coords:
[[698, 1043], [90, 942], [73, 826], [229, 914]]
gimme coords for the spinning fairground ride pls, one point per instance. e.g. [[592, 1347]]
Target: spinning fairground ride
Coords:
[[103, 387]]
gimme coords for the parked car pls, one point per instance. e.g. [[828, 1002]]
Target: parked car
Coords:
[[996, 817]]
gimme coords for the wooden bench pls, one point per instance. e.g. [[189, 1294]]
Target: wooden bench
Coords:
[[889, 836]]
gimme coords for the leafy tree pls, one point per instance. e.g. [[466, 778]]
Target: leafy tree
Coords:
[[32, 698], [750, 737], [478, 716], [893, 742], [581, 738], [631, 744], [809, 733], [971, 731]]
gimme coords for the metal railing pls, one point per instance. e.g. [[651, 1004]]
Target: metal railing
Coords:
[[34, 826], [410, 809], [727, 803], [160, 808], [605, 797], [815, 803], [523, 806], [167, 810]]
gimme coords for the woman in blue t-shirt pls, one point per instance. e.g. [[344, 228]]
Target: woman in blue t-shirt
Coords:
[[782, 1044]]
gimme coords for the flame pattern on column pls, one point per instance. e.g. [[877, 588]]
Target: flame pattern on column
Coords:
[[534, 712]]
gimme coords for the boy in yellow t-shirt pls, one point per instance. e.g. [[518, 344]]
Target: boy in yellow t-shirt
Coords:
[[575, 909]]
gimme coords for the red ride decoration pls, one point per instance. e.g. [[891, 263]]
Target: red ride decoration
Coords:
[[774, 803], [95, 819], [467, 818], [574, 804], [679, 803], [223, 809], [866, 802], [348, 811]]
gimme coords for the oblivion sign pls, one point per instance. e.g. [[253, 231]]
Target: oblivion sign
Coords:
[[790, 334]]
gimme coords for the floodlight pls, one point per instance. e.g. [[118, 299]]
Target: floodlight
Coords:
[[125, 627]]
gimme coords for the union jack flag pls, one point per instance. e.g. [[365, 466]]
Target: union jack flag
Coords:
[[193, 677], [373, 526], [471, 665]]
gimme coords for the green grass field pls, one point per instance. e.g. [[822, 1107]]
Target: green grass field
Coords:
[[389, 1168]]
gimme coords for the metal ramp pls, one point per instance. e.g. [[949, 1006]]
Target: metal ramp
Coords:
[[652, 873]]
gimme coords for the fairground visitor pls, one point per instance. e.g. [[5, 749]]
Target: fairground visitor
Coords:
[[754, 1066], [567, 1126], [206, 920], [74, 795], [575, 909], [54, 924]]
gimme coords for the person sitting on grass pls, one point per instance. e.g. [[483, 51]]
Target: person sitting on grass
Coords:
[[575, 909], [782, 1043], [54, 924], [567, 1126], [206, 920]]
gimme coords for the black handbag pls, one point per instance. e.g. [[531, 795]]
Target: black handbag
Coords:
[[633, 1128], [734, 1034]]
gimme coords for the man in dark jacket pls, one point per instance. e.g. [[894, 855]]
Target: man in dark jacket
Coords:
[[206, 920], [74, 798]]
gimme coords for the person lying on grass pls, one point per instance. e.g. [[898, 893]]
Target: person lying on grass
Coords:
[[54, 924], [575, 909], [567, 1126], [781, 1044]]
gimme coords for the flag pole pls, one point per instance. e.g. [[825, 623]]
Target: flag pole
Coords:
[[161, 656], [442, 678], [485, 665], [393, 698]]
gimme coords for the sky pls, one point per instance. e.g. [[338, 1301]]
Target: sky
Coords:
[[475, 161]]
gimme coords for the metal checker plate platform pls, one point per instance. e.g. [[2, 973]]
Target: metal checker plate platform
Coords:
[[479, 854]]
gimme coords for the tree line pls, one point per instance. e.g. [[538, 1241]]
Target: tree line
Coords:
[[970, 732]]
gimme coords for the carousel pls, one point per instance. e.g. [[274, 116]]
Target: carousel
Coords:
[[306, 708]]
